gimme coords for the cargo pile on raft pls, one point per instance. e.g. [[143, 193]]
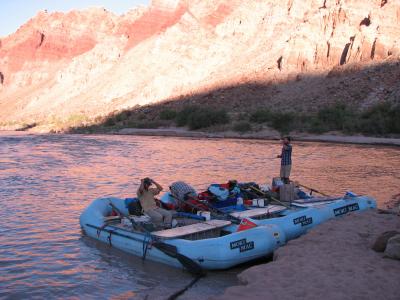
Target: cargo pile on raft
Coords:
[[226, 225]]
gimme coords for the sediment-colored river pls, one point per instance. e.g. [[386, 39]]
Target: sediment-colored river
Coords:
[[47, 180]]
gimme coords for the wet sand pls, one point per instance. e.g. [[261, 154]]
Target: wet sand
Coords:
[[265, 134], [261, 135], [332, 261]]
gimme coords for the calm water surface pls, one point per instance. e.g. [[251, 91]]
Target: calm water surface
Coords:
[[47, 180]]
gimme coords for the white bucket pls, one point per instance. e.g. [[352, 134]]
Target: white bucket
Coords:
[[205, 214], [258, 202]]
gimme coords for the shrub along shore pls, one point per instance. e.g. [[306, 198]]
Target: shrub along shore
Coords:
[[339, 122], [380, 120]]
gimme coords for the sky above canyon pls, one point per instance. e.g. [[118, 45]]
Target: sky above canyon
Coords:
[[14, 13]]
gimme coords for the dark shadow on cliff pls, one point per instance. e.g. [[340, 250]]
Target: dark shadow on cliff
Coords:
[[349, 98]]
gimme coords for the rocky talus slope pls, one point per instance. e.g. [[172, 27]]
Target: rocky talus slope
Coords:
[[292, 54]]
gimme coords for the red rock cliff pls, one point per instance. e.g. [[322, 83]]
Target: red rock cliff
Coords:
[[92, 62]]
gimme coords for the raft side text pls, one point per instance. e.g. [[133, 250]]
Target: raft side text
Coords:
[[303, 220], [243, 245], [346, 209]]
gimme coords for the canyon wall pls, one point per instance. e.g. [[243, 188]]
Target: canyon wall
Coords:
[[92, 62]]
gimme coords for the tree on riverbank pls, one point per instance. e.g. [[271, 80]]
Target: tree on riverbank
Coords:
[[380, 119]]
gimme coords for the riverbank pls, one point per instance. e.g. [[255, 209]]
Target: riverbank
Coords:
[[260, 135], [332, 261], [264, 135]]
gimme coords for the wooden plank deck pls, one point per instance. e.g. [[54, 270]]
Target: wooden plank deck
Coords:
[[255, 212], [191, 229]]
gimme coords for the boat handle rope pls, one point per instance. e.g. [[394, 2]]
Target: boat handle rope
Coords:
[[109, 237], [147, 242]]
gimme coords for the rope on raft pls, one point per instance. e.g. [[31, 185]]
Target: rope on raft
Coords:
[[146, 243]]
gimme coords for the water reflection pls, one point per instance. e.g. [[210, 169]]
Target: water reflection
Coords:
[[46, 182]]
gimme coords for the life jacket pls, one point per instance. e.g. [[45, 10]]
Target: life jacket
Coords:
[[134, 207]]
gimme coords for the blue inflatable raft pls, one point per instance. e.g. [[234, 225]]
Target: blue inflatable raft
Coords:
[[307, 213], [213, 244], [300, 216]]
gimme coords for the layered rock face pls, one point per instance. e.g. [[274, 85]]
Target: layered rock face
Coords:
[[92, 62]]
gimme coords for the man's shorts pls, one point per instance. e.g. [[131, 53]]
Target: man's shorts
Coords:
[[285, 171]]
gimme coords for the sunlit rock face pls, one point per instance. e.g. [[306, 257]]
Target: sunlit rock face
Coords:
[[92, 62], [54, 37], [161, 15], [170, 5]]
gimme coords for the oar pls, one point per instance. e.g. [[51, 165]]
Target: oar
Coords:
[[312, 190], [216, 214], [268, 196], [168, 249]]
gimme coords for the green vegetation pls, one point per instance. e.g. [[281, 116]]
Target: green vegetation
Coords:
[[182, 117], [261, 116], [109, 122], [168, 114], [26, 126], [201, 117], [76, 120], [242, 127], [281, 121], [381, 119], [336, 117], [122, 116], [17, 125]]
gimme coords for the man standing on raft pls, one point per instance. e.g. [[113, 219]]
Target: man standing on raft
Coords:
[[286, 159], [159, 216]]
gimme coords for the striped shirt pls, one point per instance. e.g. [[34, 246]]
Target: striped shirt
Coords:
[[286, 156]]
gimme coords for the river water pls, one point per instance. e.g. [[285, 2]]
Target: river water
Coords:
[[47, 180]]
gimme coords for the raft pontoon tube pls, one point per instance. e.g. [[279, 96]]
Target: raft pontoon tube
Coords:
[[300, 216], [214, 244], [307, 213]]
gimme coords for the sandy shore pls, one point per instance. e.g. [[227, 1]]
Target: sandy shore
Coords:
[[267, 135], [332, 261], [261, 135]]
